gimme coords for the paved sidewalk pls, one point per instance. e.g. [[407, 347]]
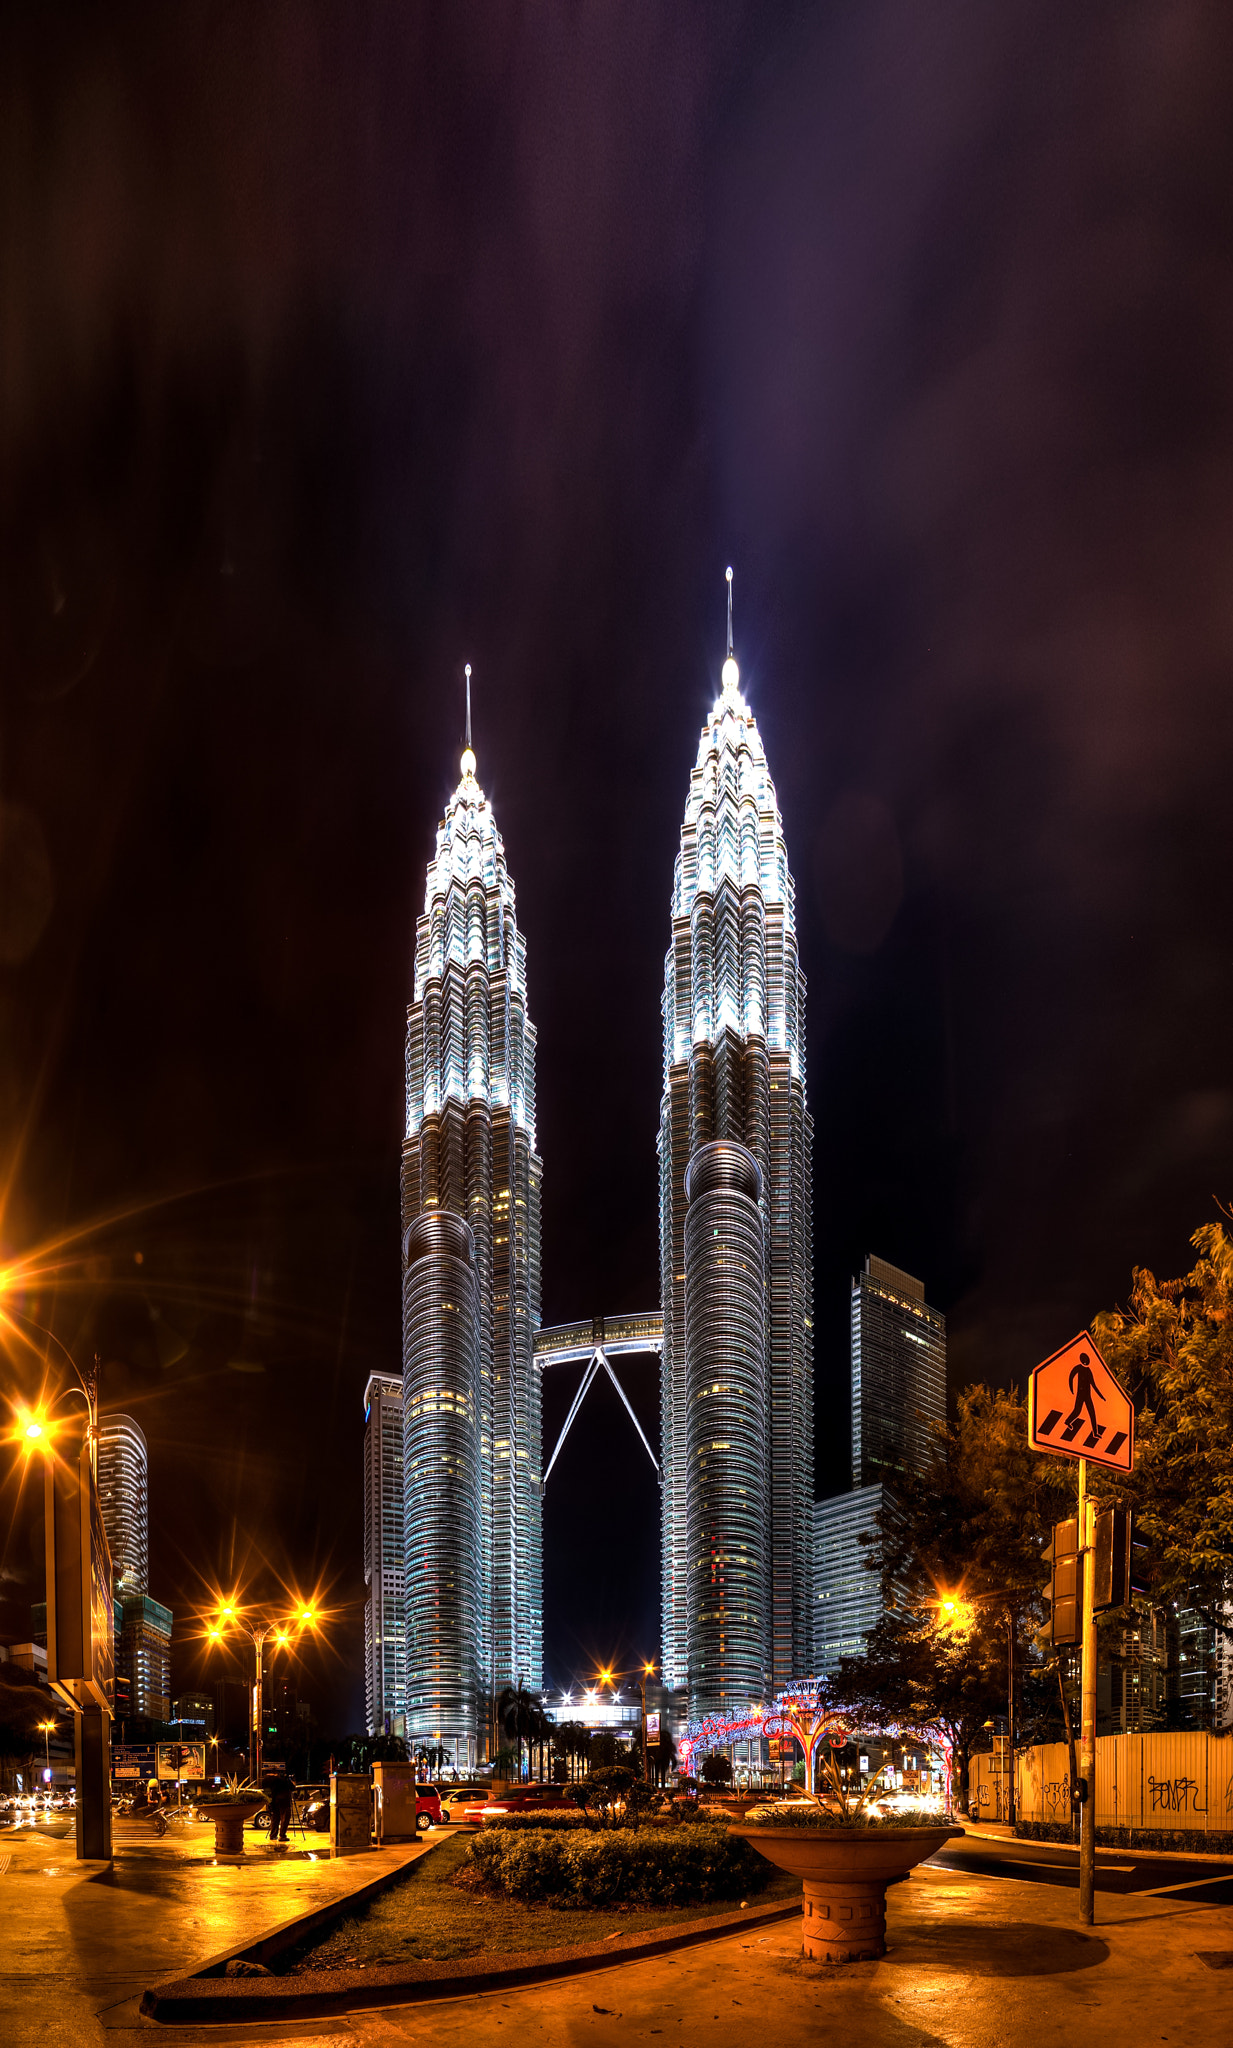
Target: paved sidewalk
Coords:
[[973, 1963], [77, 1939]]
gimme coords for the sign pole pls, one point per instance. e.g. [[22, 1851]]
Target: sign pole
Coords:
[[1087, 1731]]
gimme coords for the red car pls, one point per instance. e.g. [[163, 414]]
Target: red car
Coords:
[[427, 1807], [531, 1799]]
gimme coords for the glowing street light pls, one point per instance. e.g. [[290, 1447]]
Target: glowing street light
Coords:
[[259, 1628], [48, 1730]]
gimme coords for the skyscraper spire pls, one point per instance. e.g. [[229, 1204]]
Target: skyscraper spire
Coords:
[[730, 675], [467, 764]]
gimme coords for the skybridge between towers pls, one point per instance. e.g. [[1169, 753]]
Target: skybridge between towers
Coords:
[[596, 1343]]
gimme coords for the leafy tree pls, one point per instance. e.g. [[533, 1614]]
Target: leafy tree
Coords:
[[606, 1792], [716, 1768], [367, 1750], [606, 1752], [969, 1531], [1172, 1349]]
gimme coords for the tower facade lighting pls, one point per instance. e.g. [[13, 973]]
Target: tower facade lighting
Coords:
[[735, 1313], [471, 1293]]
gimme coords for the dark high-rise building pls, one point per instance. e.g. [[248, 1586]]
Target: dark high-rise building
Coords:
[[473, 1565], [736, 1238], [385, 1650], [898, 1374], [898, 1396]]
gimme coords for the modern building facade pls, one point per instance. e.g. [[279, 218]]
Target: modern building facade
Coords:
[[385, 1650], [898, 1398], [123, 1489], [736, 1238], [143, 1658], [471, 1180], [143, 1625], [898, 1374]]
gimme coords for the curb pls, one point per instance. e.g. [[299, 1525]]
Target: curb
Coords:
[[191, 2001], [1104, 1848]]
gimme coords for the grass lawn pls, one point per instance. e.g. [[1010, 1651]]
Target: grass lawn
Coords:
[[426, 1919]]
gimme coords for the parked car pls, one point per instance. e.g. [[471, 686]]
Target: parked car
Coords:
[[527, 1799]]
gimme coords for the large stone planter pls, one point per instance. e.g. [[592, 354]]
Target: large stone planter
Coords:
[[844, 1874], [229, 1816]]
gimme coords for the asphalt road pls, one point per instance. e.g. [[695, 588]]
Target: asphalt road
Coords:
[[1199, 1880]]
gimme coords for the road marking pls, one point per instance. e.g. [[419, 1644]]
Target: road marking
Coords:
[[1191, 1884]]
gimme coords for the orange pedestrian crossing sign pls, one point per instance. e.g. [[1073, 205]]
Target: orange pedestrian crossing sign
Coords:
[[1077, 1409]]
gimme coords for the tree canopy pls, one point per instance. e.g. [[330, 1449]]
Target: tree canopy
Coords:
[[1172, 1348]]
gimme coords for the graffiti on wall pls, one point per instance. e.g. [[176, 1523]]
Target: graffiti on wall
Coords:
[[1175, 1795]]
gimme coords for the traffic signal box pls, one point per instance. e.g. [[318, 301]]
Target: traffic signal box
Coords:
[[1064, 1591], [1116, 1574], [1117, 1571]]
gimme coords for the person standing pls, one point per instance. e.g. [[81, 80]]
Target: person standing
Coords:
[[279, 1788]]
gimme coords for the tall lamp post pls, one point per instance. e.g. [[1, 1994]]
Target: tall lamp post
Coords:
[[47, 1730], [259, 1628], [955, 1611], [638, 1679], [80, 1642]]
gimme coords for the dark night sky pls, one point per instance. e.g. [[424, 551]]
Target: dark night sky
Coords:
[[340, 344]]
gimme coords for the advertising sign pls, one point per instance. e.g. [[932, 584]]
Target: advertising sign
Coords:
[[182, 1760], [80, 1614], [652, 1727]]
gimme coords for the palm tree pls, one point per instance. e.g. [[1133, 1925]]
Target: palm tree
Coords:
[[521, 1718]]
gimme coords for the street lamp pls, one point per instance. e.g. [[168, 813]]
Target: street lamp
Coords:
[[958, 1612], [259, 1628], [638, 1679], [48, 1730]]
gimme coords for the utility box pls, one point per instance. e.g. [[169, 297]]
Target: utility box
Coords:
[[350, 1812], [394, 1802]]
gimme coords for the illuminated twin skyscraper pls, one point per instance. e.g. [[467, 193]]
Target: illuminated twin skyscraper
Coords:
[[736, 1238], [473, 1553], [735, 1180]]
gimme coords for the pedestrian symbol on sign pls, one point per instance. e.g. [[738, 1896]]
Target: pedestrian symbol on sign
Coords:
[[1082, 1383]]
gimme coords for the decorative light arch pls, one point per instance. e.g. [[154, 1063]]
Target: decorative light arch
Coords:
[[804, 1713]]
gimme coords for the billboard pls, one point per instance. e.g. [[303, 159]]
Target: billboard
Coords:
[[80, 1613], [182, 1760], [652, 1727]]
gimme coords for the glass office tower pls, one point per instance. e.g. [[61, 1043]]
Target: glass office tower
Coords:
[[385, 1656], [734, 1072], [898, 1396], [123, 1494], [473, 1567], [898, 1374]]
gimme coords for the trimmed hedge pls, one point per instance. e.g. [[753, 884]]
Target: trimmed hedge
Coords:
[[518, 1823], [631, 1866]]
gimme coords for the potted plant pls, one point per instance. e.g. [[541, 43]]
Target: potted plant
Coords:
[[846, 1853], [229, 1809]]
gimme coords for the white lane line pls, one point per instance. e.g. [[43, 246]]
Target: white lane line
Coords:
[[1190, 1885]]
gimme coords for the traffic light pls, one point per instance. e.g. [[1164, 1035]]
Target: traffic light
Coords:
[[1117, 1570], [1064, 1591]]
